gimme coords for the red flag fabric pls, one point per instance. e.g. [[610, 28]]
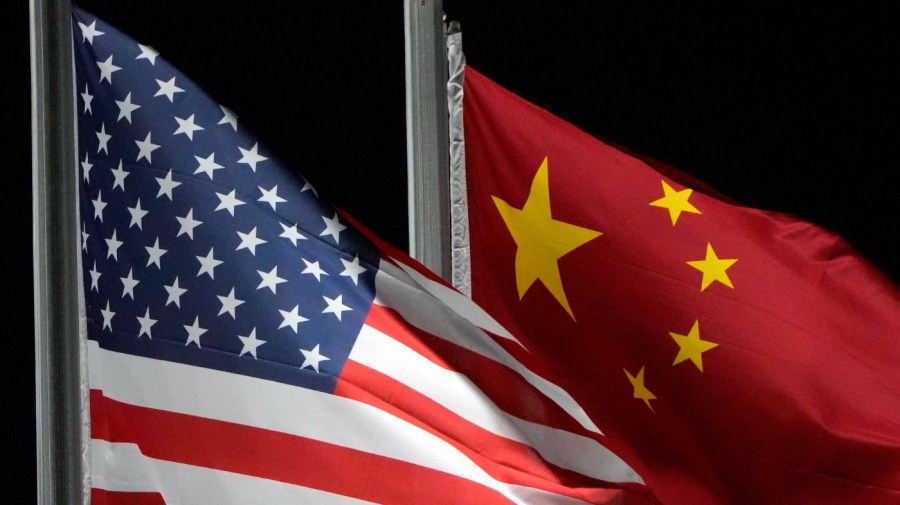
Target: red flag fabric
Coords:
[[730, 354]]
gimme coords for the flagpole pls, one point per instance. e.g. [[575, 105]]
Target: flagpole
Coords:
[[55, 255], [428, 185]]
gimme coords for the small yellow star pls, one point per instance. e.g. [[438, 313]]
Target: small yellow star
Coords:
[[676, 201], [640, 390], [541, 240], [691, 346], [713, 268]]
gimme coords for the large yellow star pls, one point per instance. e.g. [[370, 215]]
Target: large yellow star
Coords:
[[713, 268], [676, 201], [640, 390], [541, 240], [691, 346]]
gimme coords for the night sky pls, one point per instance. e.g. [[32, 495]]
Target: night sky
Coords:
[[790, 110], [786, 109]]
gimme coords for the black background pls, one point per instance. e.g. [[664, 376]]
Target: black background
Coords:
[[790, 109]]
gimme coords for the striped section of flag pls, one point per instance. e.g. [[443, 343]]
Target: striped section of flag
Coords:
[[402, 421]]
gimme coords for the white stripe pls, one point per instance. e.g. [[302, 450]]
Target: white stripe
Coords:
[[288, 409], [458, 302], [457, 393], [397, 290], [122, 467]]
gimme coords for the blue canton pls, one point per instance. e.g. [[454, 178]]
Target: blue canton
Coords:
[[197, 245]]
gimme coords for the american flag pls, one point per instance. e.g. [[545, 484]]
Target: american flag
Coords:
[[247, 343]]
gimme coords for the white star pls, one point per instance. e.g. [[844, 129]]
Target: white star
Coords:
[[147, 53], [228, 117], [168, 88], [333, 227], [208, 264], [312, 358], [194, 332], [335, 306], [309, 187], [88, 32], [107, 68], [250, 343], [95, 277], [137, 215], [270, 279], [249, 241], [228, 202], [146, 323], [291, 233], [126, 108], [229, 303], [128, 284], [86, 168], [119, 175], [175, 291], [113, 244], [314, 269], [352, 269], [155, 253], [99, 205], [251, 157], [146, 148], [292, 318], [166, 185], [188, 223], [103, 139], [107, 316], [88, 98], [187, 126], [207, 165], [271, 196], [84, 237]]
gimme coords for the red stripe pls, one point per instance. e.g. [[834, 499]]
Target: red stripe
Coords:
[[104, 497], [507, 389], [248, 450], [503, 459]]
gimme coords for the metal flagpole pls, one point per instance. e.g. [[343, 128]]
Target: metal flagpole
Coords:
[[55, 255], [427, 135]]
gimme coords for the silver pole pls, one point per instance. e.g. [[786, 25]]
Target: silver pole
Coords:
[[55, 254], [427, 135]]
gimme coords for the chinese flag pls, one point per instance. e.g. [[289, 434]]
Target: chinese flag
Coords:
[[729, 354]]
